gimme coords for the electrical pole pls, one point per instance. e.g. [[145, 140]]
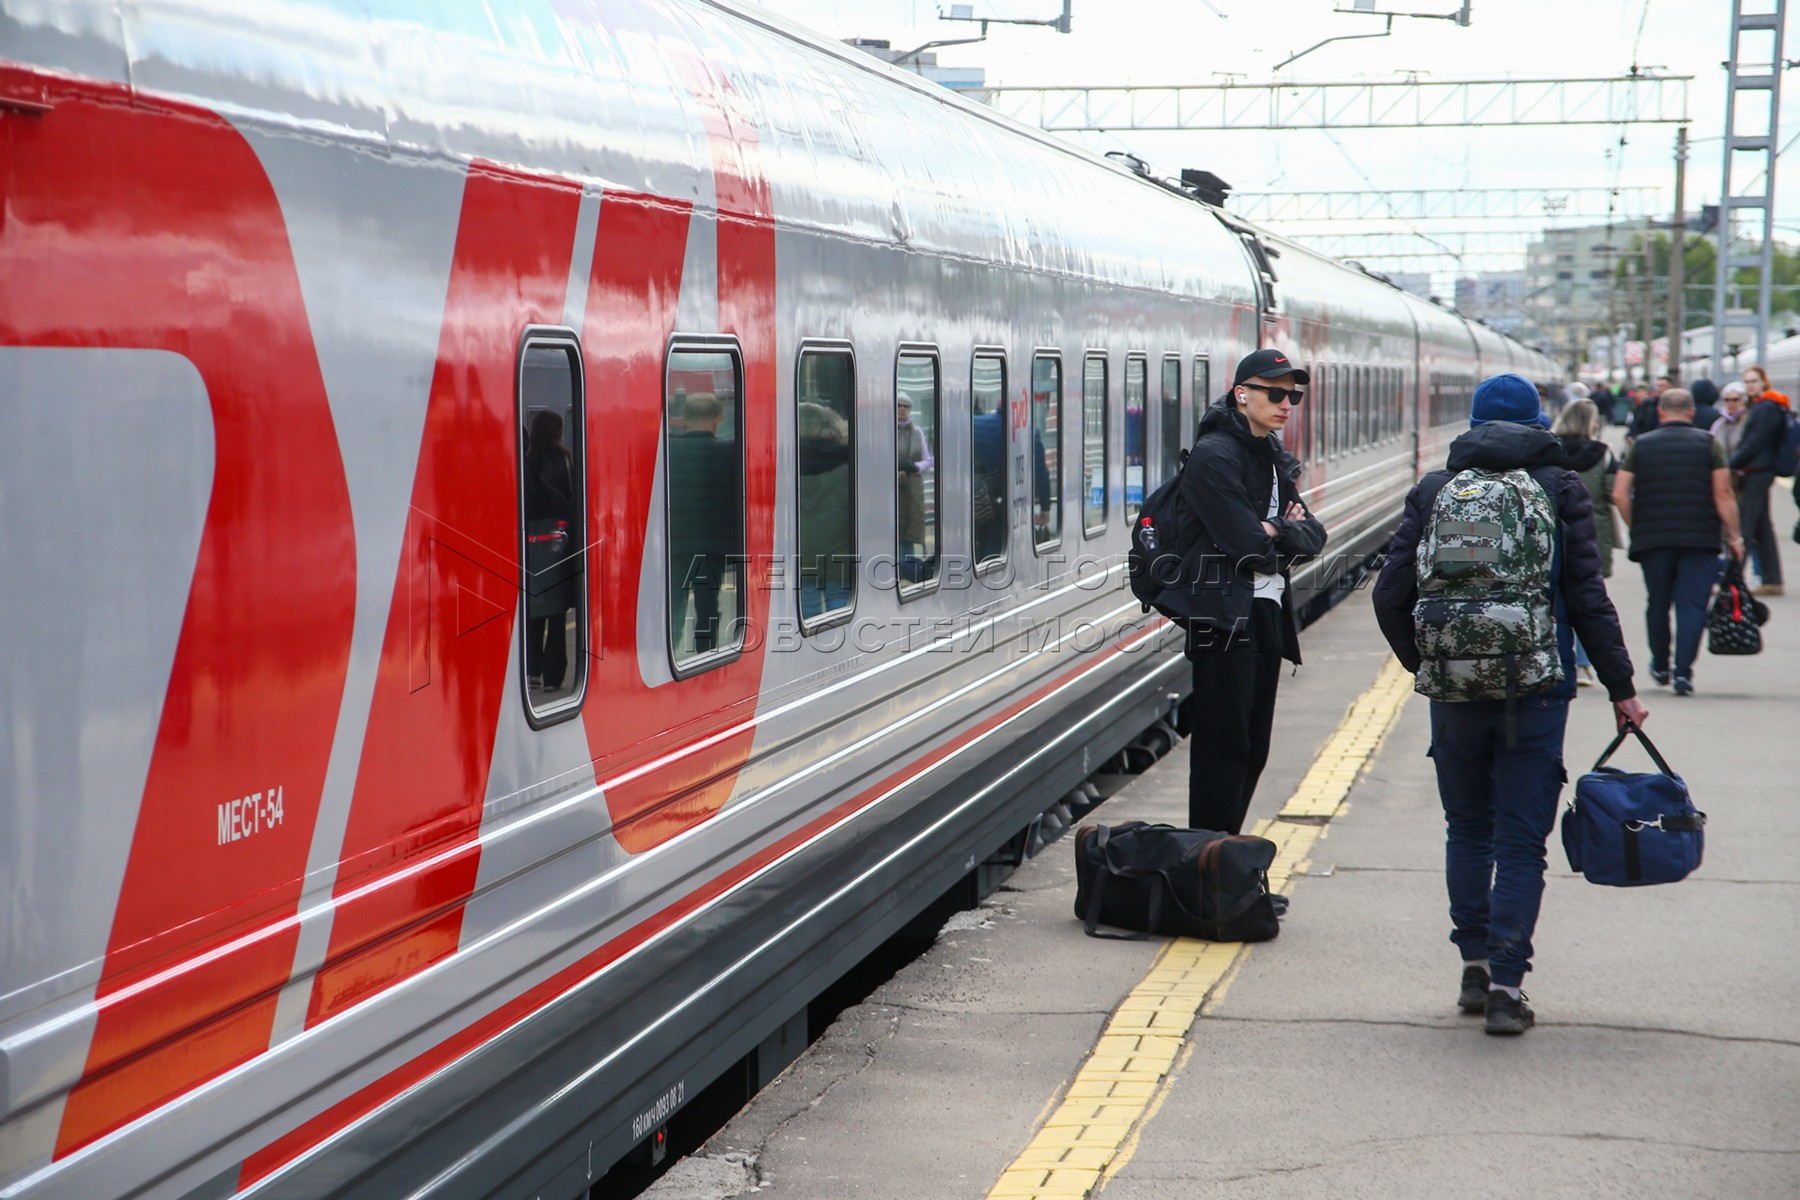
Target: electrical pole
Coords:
[[1677, 250]]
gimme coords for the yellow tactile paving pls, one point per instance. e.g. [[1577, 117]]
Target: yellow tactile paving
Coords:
[[1086, 1138]]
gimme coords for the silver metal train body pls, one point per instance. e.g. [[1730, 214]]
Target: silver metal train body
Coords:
[[317, 884]]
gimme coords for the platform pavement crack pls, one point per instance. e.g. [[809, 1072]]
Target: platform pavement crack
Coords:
[[1453, 1024], [1101, 1013], [1349, 1149], [871, 1051]]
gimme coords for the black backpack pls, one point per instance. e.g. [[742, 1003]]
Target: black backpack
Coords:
[[1160, 538], [1185, 882]]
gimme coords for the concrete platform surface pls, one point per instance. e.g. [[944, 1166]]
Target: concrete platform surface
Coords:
[[1332, 1061]]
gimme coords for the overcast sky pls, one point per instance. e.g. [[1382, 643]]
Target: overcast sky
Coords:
[[1191, 41]]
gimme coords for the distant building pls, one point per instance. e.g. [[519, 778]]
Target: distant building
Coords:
[[1568, 286], [1416, 282], [957, 79], [1498, 298]]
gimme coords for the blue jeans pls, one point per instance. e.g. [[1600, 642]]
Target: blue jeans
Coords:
[[1499, 808], [1684, 579]]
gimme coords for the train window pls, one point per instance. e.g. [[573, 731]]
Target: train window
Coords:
[[1202, 389], [1137, 396], [1173, 443], [1046, 450], [1334, 399], [553, 533], [917, 445], [988, 510], [704, 482], [1093, 444], [1360, 397], [825, 482]]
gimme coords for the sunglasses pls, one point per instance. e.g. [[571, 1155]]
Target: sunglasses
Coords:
[[1278, 394]]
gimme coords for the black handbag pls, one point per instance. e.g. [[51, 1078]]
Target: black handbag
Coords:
[[1733, 624], [1184, 882]]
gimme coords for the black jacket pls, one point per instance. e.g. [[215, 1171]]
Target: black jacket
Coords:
[[1225, 491], [1765, 425], [1672, 491], [1582, 603]]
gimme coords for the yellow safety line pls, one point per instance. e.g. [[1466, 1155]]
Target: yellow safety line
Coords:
[[1090, 1136]]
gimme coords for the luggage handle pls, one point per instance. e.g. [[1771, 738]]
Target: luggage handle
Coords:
[[1631, 727], [1090, 921]]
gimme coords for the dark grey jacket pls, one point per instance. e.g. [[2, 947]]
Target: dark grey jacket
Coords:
[[1581, 601]]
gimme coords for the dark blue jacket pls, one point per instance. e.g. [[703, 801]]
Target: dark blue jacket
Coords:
[[1582, 605], [1765, 425]]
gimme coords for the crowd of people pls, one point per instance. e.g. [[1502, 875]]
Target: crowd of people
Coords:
[[1493, 593]]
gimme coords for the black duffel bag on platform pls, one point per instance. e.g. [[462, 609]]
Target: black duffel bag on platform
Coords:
[[1184, 882]]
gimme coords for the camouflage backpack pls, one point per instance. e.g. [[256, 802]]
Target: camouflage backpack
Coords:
[[1483, 621]]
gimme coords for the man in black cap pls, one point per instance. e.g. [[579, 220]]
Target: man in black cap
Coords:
[[1240, 486]]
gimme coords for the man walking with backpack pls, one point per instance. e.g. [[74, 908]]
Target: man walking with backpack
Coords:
[[1492, 573]]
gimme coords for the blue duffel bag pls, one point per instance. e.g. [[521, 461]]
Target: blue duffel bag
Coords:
[[1626, 830]]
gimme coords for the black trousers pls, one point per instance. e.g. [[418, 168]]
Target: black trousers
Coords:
[[1758, 527], [1682, 579], [1234, 710]]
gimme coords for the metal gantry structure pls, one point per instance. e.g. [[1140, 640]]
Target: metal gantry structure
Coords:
[[1753, 74], [1459, 204], [1399, 104]]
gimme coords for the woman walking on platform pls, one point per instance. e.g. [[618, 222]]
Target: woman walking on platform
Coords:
[[1578, 427]]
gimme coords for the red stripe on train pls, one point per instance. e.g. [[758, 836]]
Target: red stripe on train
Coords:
[[634, 723], [354, 1108], [137, 223], [423, 776]]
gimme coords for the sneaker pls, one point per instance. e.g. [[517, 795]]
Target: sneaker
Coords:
[[1584, 677], [1684, 686], [1279, 903], [1661, 676], [1474, 990], [1507, 1016], [1768, 589]]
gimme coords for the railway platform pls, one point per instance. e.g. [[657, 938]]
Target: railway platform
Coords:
[[1019, 1058]]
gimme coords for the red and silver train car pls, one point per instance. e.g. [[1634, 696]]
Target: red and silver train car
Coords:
[[440, 732]]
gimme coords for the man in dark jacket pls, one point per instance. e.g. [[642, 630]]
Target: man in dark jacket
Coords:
[[1674, 492], [1499, 762], [1239, 487], [1706, 404], [1765, 425]]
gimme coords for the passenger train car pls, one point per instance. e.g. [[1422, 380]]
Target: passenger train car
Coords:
[[481, 650]]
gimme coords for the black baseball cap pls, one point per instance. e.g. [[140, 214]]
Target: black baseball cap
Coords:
[[1269, 364]]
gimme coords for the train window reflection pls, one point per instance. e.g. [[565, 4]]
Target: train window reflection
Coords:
[[825, 430], [1046, 450], [1137, 395], [1093, 444], [1172, 444], [917, 446], [1202, 393], [987, 459], [704, 483], [553, 504]]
